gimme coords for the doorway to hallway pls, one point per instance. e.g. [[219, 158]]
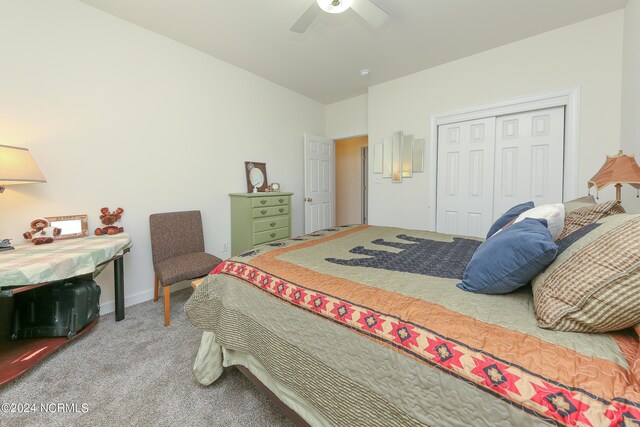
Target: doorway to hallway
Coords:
[[351, 183]]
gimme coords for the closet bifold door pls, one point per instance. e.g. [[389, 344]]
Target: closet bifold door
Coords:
[[529, 160], [466, 152]]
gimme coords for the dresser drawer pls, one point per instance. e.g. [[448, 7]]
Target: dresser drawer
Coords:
[[270, 211], [259, 202], [279, 200], [271, 223], [270, 236]]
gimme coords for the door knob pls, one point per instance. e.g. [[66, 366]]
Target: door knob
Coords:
[[308, 199]]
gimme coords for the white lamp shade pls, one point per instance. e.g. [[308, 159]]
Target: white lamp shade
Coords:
[[327, 5], [18, 167]]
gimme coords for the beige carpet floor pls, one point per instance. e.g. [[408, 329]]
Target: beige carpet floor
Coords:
[[136, 373]]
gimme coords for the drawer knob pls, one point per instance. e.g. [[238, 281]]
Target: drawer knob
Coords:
[[263, 201], [272, 235], [281, 210], [263, 211], [281, 200], [273, 224]]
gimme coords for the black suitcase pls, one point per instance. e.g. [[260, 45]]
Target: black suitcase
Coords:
[[55, 310]]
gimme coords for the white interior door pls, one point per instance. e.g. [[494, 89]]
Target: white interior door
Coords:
[[529, 158], [319, 183], [465, 177]]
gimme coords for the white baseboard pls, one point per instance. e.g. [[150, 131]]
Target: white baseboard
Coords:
[[140, 297], [110, 306]]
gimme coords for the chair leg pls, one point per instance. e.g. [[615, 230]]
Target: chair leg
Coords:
[[167, 305], [155, 289]]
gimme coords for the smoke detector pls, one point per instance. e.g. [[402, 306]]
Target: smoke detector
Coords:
[[365, 72]]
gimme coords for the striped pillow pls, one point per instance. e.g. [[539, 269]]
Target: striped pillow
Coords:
[[581, 202], [594, 286], [589, 214]]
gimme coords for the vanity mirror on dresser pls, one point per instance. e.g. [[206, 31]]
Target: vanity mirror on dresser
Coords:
[[258, 218]]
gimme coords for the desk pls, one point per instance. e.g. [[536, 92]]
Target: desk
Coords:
[[30, 266], [35, 265]]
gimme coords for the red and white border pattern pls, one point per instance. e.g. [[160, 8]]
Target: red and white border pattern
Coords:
[[548, 400]]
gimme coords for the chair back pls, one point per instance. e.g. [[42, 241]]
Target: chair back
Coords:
[[174, 234]]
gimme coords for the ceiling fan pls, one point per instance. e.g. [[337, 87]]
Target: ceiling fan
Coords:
[[367, 10]]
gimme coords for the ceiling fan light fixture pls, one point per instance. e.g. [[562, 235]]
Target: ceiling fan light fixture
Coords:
[[334, 6]]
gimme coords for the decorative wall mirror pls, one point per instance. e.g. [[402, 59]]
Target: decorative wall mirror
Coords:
[[407, 156], [396, 157], [418, 155], [71, 225], [387, 150], [399, 156], [256, 176]]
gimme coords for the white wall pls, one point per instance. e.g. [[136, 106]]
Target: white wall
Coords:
[[347, 118], [588, 54], [116, 115], [349, 180], [630, 135]]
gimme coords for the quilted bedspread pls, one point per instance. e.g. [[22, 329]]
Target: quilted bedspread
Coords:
[[363, 325]]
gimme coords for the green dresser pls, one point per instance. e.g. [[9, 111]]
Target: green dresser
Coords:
[[258, 218]]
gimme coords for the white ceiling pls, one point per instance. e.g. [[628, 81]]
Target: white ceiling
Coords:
[[325, 62]]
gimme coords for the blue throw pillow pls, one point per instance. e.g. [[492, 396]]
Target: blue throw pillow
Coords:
[[509, 216], [510, 259]]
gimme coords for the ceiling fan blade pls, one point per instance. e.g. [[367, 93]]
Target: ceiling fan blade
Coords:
[[306, 19], [370, 12]]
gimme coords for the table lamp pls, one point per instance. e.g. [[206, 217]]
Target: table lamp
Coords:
[[18, 167], [619, 169]]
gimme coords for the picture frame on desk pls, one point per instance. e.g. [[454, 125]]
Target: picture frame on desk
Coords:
[[71, 226]]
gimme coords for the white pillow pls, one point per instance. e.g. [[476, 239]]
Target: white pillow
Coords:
[[554, 214]]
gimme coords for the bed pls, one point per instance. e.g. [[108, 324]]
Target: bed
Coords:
[[364, 325]]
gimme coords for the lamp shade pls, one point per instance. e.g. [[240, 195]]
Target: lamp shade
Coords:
[[334, 6], [618, 170], [18, 167]]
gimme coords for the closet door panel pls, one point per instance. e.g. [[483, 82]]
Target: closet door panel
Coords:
[[529, 158], [465, 177]]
